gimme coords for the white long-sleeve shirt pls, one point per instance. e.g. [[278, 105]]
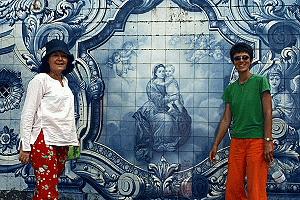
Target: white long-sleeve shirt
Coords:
[[48, 106]]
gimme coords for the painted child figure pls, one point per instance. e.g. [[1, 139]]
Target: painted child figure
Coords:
[[172, 89]]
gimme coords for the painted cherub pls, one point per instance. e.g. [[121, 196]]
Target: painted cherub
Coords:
[[121, 60]]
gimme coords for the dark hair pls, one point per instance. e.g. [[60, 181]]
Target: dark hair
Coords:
[[45, 67], [155, 70], [241, 47], [52, 46]]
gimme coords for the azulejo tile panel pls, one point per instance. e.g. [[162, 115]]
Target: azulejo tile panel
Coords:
[[133, 144]]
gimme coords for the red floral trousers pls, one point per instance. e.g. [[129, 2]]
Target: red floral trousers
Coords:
[[48, 163]]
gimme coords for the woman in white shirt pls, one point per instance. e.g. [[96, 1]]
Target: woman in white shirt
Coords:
[[47, 121]]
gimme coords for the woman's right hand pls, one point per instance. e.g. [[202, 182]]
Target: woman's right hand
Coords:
[[213, 153], [24, 156]]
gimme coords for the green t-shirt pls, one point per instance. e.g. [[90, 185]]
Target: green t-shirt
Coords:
[[246, 106]]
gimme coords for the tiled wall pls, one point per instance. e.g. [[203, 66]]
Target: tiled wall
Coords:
[[134, 145]]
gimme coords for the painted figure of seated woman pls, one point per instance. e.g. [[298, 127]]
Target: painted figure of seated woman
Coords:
[[283, 104], [159, 128]]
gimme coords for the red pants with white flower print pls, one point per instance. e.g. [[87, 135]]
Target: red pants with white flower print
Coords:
[[48, 163]]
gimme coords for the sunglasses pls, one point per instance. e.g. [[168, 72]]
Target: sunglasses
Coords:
[[238, 58]]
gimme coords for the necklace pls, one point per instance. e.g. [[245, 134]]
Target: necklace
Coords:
[[243, 84], [245, 81]]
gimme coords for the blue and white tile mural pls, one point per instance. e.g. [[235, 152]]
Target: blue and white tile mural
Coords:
[[132, 55]]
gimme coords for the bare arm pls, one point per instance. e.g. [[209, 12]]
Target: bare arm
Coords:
[[267, 109], [224, 125]]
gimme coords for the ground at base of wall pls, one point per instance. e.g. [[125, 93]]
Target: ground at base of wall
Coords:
[[284, 196], [23, 195], [14, 194]]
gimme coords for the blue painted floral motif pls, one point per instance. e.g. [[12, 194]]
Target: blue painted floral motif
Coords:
[[274, 23], [8, 141], [11, 90]]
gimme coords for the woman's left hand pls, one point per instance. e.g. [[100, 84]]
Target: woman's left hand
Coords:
[[269, 151], [24, 156]]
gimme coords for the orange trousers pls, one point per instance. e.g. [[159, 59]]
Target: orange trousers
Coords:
[[247, 170]]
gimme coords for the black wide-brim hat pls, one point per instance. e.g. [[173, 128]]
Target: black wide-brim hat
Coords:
[[54, 46]]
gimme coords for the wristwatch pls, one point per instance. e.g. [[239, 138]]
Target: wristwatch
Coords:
[[268, 139]]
